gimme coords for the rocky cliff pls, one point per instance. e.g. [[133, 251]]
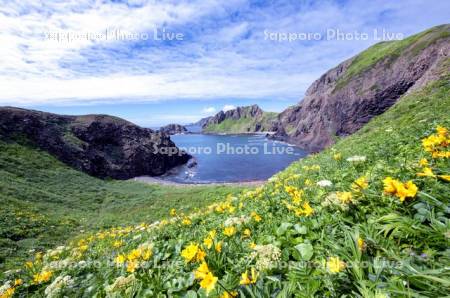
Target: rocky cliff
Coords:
[[100, 145], [172, 129], [345, 98], [240, 120]]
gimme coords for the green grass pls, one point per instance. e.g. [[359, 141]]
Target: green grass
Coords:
[[389, 51], [242, 125], [389, 248], [44, 202]]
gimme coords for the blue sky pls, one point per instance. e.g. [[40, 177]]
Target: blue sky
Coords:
[[230, 53]]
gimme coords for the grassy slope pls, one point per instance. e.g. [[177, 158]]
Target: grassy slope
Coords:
[[242, 125], [45, 202], [390, 50], [404, 249]]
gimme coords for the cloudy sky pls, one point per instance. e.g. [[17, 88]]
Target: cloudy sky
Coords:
[[156, 62]]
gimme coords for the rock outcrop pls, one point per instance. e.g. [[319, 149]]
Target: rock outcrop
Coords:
[[253, 111], [240, 120], [345, 98], [172, 129], [100, 145]]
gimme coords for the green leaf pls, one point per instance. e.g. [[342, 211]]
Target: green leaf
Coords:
[[300, 229], [283, 228], [306, 251], [191, 294]]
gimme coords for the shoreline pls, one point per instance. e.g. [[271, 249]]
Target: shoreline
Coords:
[[153, 180]]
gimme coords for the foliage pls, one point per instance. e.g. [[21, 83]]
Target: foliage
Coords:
[[388, 51], [328, 226], [44, 202]]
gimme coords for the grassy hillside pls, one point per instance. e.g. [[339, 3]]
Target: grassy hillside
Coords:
[[368, 217], [391, 50], [45, 202], [242, 125]]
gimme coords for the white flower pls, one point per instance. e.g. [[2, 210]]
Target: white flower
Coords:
[[5, 287], [235, 221], [120, 284], [58, 265], [266, 256], [57, 285], [357, 158], [324, 183]]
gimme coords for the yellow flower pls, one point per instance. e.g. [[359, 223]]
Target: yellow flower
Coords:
[[445, 177], [361, 244], [208, 242], [131, 266], [209, 282], [247, 233], [399, 189], [200, 255], [389, 185], [83, 248], [337, 156], [29, 264], [229, 294], [186, 221], [147, 254], [173, 212], [255, 216], [442, 131], [344, 196], [423, 162], [134, 254], [426, 172], [252, 245], [120, 259], [218, 247], [7, 293], [307, 210], [42, 277], [335, 265], [360, 183], [247, 279], [229, 231], [212, 234], [18, 282], [118, 243], [190, 252], [201, 271]]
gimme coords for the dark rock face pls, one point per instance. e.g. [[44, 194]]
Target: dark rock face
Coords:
[[172, 129], [100, 145], [253, 111], [331, 108], [202, 121]]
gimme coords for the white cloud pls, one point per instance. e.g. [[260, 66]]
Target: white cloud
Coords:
[[222, 57], [209, 110], [228, 108]]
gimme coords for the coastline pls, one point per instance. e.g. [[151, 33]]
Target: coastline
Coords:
[[153, 180]]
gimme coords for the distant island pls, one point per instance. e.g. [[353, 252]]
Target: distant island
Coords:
[[172, 129], [247, 119]]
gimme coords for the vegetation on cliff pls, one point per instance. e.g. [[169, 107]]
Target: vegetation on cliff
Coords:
[[241, 120], [368, 217]]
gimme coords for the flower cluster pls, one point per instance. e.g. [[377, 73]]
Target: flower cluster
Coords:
[[241, 243], [437, 144], [266, 256], [400, 189]]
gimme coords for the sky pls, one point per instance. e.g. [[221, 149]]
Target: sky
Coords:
[[160, 62]]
